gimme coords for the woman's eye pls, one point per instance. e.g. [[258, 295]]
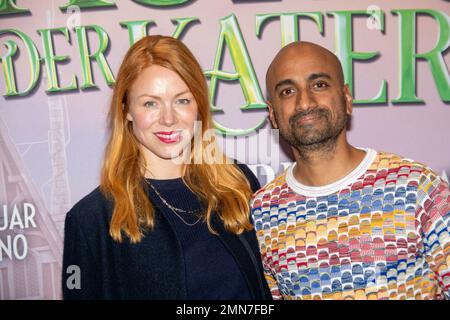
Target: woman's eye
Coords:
[[183, 101], [150, 104]]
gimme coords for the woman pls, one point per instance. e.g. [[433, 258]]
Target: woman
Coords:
[[167, 222]]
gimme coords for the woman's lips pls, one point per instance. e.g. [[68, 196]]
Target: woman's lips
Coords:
[[168, 136]]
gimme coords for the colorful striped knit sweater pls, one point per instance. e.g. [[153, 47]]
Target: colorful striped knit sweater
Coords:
[[381, 232]]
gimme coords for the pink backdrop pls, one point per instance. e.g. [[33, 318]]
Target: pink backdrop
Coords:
[[51, 144]]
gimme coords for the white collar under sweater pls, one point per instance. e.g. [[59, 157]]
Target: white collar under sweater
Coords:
[[331, 188]]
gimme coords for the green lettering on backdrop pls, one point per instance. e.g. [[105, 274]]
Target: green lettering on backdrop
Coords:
[[161, 3], [8, 67], [344, 49], [409, 55], [289, 24], [138, 29], [88, 4], [49, 59], [99, 56], [10, 7], [231, 34], [181, 24]]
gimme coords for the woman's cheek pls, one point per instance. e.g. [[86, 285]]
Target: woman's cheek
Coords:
[[145, 121]]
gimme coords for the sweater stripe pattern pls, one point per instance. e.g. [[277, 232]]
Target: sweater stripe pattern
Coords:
[[381, 232]]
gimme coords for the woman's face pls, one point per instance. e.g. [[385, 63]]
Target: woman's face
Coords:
[[163, 112]]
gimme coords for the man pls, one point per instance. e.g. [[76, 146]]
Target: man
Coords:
[[344, 222]]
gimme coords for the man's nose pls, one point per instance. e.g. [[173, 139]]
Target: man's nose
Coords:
[[306, 100]]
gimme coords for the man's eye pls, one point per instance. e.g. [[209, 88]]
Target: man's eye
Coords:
[[287, 92], [150, 104], [183, 101], [320, 85]]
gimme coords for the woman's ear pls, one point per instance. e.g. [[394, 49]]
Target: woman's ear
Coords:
[[129, 116]]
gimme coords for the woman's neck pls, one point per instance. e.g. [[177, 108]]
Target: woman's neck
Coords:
[[163, 169]]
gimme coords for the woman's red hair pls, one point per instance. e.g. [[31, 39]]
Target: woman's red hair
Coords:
[[223, 188]]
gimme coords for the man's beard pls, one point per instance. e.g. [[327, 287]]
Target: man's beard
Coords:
[[316, 136]]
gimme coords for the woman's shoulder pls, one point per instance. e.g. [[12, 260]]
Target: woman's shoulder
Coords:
[[251, 177], [94, 207]]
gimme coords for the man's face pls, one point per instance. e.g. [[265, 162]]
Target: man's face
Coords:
[[308, 101]]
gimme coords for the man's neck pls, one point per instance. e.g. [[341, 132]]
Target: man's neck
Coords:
[[322, 167]]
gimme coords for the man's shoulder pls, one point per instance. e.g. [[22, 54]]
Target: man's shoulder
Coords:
[[425, 176], [390, 160], [270, 187]]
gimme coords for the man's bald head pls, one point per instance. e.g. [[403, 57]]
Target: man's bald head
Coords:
[[287, 56]]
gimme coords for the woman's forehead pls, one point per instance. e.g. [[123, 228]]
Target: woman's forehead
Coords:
[[158, 80]]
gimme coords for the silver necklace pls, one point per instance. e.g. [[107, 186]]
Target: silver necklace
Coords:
[[168, 204], [175, 209]]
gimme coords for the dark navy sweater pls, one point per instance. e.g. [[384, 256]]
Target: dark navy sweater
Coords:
[[172, 261], [207, 260]]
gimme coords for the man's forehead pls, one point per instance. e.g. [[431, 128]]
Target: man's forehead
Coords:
[[304, 49], [301, 70], [300, 61]]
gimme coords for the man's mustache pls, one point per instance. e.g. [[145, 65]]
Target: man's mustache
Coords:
[[319, 112]]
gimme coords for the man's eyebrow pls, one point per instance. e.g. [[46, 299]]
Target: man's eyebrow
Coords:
[[311, 77], [283, 83], [315, 76]]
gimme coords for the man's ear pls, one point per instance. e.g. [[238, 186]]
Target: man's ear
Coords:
[[272, 118], [348, 99]]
